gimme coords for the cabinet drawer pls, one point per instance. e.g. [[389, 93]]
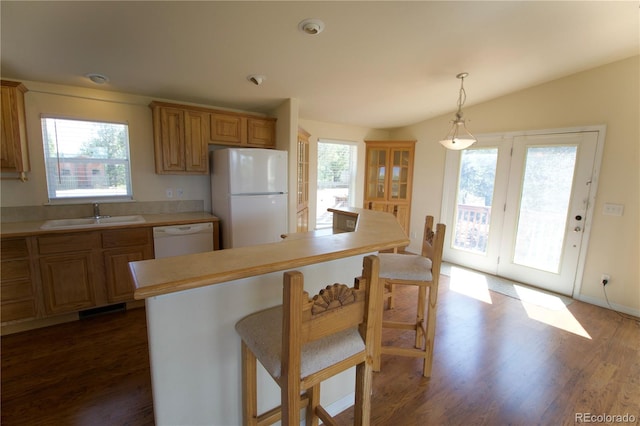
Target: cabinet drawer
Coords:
[[15, 270], [126, 238], [16, 290], [12, 249], [68, 242], [18, 310]]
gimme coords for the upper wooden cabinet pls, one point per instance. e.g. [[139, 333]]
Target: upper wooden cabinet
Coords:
[[229, 128], [388, 178], [14, 156], [182, 134], [180, 139]]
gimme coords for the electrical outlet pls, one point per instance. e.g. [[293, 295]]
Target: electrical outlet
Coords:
[[179, 193], [605, 279], [169, 193]]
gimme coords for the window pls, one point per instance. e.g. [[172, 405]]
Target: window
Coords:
[[336, 179], [86, 159]]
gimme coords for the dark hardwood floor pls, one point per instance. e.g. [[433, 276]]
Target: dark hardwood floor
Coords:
[[89, 372], [494, 365]]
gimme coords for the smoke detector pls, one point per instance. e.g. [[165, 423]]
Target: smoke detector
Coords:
[[256, 79], [97, 78], [311, 26]]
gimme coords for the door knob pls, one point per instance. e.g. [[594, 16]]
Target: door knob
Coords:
[[578, 217]]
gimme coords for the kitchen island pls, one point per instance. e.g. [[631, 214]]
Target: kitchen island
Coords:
[[194, 301]]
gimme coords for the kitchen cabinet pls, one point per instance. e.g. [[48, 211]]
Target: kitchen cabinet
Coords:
[[14, 154], [180, 139], [242, 130], [182, 134], [121, 247], [388, 178], [70, 271], [16, 284]]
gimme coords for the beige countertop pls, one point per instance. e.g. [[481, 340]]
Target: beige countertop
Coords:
[[24, 229], [375, 231]]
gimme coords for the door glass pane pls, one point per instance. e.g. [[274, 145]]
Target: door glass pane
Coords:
[[544, 204], [336, 179], [473, 202]]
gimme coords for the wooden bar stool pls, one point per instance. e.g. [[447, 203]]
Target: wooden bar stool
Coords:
[[305, 341], [422, 271]]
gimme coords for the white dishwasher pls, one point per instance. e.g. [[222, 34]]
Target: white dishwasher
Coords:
[[177, 240]]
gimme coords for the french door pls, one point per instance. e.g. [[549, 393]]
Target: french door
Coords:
[[517, 206]]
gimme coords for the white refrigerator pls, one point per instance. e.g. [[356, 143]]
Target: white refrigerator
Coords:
[[249, 195]]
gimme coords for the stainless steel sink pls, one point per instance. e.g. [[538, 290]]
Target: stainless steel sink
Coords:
[[90, 222]]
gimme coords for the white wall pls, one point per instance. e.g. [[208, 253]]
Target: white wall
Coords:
[[606, 95]]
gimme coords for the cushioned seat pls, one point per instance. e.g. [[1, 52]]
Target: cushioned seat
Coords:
[[265, 341], [405, 267]]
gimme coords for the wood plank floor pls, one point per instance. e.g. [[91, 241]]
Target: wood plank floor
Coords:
[[493, 365]]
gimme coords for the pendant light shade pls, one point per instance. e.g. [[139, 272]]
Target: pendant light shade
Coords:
[[459, 137]]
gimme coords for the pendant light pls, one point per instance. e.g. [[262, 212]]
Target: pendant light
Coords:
[[459, 137]]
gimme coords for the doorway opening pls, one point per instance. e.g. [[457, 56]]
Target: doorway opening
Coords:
[[336, 178]]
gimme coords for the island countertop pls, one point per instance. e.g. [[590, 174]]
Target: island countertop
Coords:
[[374, 231]]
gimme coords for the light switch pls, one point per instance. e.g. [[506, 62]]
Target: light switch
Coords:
[[613, 209]]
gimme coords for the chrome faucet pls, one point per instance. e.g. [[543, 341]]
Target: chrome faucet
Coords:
[[96, 212]]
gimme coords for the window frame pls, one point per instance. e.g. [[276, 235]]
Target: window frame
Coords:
[[52, 190]]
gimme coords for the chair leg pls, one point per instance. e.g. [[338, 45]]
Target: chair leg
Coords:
[[392, 303], [313, 394], [431, 330], [364, 387], [422, 296], [249, 387], [377, 333]]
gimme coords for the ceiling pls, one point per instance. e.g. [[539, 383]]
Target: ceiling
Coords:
[[376, 64]]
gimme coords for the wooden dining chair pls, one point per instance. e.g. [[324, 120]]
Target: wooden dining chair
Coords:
[[305, 341], [422, 271]]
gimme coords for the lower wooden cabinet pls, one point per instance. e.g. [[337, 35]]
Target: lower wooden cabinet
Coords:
[[16, 283], [68, 282], [120, 248], [55, 274]]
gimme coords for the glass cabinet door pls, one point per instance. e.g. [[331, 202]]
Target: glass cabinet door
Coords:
[[400, 167], [377, 169]]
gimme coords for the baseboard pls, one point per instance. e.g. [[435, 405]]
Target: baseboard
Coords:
[[603, 303]]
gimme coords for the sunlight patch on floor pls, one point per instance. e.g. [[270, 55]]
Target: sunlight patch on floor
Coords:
[[559, 318], [469, 283]]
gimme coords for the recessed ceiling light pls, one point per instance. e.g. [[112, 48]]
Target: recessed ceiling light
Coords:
[[311, 26], [97, 78]]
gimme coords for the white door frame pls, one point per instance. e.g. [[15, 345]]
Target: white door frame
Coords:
[[450, 179]]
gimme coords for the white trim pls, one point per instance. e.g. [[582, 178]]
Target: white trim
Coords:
[[603, 304]]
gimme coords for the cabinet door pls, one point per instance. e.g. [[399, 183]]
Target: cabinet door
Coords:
[[170, 143], [400, 169], [119, 283], [195, 142], [68, 282], [376, 174], [228, 128], [14, 155], [261, 132], [401, 212]]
